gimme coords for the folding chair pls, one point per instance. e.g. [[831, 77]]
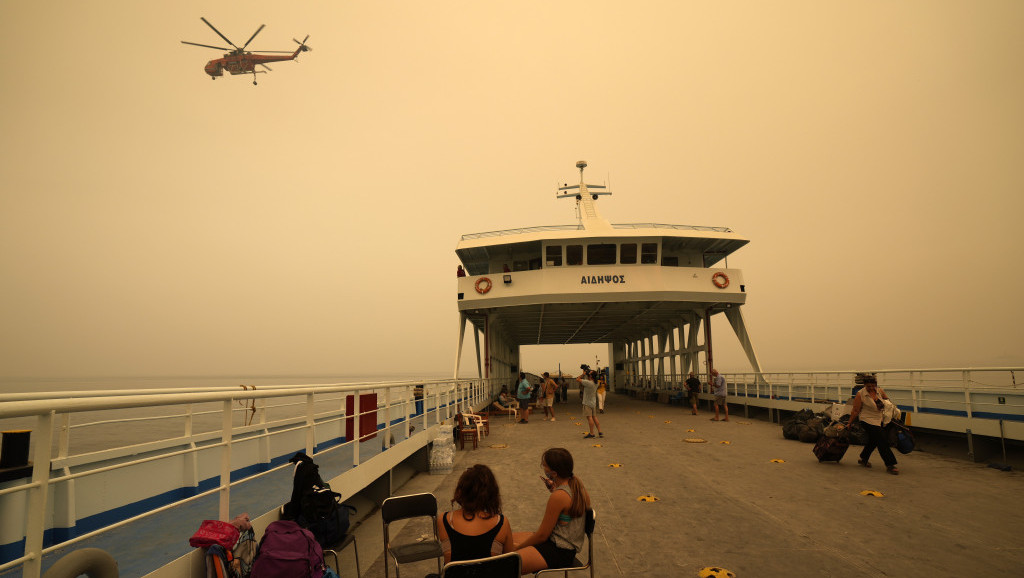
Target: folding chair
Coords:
[[403, 508], [588, 528], [349, 538], [507, 565]]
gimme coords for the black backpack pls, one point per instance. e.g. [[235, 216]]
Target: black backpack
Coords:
[[323, 514]]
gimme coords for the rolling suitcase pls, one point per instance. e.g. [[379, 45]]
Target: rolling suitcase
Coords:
[[829, 449]]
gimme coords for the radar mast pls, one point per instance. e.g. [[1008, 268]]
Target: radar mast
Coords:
[[586, 209]]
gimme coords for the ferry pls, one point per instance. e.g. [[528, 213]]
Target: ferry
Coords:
[[647, 290], [598, 282]]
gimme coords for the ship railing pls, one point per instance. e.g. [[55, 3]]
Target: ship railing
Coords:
[[667, 226], [578, 227], [539, 229], [312, 423], [987, 400]]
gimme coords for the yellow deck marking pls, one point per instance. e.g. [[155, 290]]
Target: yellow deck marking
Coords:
[[872, 493], [499, 446], [778, 461], [668, 421], [715, 572], [614, 465], [691, 430], [597, 445], [725, 442], [647, 499], [695, 440]]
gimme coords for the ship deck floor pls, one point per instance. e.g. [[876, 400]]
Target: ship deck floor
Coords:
[[726, 503], [719, 504]]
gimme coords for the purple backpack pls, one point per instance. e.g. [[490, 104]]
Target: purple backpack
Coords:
[[288, 550]]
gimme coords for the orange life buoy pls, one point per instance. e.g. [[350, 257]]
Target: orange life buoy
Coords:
[[483, 285], [721, 280]]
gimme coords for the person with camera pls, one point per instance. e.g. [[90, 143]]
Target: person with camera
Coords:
[[588, 388]]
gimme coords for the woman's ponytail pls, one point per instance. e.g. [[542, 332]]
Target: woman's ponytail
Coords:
[[580, 497]]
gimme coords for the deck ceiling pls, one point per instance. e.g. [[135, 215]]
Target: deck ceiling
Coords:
[[565, 323]]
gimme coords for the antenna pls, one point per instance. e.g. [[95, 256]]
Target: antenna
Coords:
[[581, 165]]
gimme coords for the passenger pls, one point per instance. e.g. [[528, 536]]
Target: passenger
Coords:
[[549, 388], [560, 535], [602, 388], [693, 386], [523, 394], [588, 389], [477, 529], [718, 388], [868, 406], [460, 272], [503, 403], [565, 388]]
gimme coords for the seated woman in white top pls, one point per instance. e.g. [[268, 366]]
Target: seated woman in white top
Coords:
[[560, 535]]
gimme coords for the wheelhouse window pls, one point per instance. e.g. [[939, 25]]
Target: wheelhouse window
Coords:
[[553, 256], [627, 254], [648, 253], [574, 254], [601, 254]]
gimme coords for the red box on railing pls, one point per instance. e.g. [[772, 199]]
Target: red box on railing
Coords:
[[367, 417]]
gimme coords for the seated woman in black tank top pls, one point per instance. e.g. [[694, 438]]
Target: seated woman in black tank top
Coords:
[[477, 529]]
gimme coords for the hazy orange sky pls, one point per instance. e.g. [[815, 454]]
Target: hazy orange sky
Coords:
[[155, 222]]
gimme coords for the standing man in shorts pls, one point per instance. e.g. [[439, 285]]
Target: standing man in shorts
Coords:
[[589, 390], [718, 389], [548, 391], [523, 393]]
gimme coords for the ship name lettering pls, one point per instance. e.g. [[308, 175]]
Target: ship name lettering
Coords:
[[602, 279]]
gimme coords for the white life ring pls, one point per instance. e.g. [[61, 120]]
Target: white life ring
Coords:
[[92, 562]]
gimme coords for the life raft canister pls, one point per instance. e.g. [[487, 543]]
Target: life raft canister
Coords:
[[483, 285], [721, 280]]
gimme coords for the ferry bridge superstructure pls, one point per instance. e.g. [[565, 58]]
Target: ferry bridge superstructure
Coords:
[[638, 287]]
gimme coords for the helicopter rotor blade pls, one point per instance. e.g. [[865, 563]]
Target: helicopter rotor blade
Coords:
[[273, 51], [303, 43], [204, 45], [218, 32], [253, 36]]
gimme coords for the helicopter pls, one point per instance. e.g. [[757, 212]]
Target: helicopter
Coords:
[[238, 61]]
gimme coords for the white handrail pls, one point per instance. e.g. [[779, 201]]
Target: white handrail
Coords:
[[47, 406]]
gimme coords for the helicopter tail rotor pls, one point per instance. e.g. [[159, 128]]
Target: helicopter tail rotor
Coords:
[[302, 45]]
